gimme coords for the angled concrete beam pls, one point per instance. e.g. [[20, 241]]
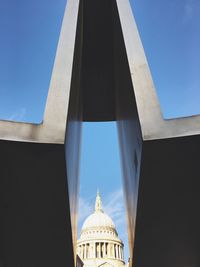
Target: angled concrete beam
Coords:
[[53, 127], [152, 123]]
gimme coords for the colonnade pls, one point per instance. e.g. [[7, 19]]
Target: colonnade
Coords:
[[101, 250]]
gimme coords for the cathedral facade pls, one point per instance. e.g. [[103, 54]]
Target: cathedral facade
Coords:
[[99, 244]]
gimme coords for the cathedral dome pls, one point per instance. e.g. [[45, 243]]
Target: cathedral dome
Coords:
[[98, 219], [99, 243]]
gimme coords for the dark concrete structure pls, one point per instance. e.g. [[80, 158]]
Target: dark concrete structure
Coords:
[[100, 73]]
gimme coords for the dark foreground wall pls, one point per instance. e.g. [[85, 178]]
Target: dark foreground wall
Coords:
[[168, 218], [35, 227]]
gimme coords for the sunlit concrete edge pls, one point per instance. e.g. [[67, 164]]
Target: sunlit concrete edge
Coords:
[[153, 125], [53, 127]]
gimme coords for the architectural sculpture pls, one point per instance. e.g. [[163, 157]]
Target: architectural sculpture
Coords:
[[100, 74]]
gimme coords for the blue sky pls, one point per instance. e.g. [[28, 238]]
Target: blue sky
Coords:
[[29, 30], [100, 168], [29, 33], [170, 32]]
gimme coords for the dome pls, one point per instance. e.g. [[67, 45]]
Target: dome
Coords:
[[99, 244], [98, 219]]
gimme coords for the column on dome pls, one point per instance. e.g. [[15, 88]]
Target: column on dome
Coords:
[[112, 250], [122, 253], [107, 250], [92, 251], [120, 256], [101, 246], [95, 250], [89, 246], [117, 252], [82, 254], [85, 251], [104, 249], [100, 249]]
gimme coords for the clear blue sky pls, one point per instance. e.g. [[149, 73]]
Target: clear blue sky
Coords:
[[170, 31], [29, 30]]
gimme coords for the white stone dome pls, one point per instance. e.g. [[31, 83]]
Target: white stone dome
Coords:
[[98, 219], [99, 244], [98, 224]]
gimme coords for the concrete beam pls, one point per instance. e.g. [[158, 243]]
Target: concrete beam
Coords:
[[53, 127], [153, 125]]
